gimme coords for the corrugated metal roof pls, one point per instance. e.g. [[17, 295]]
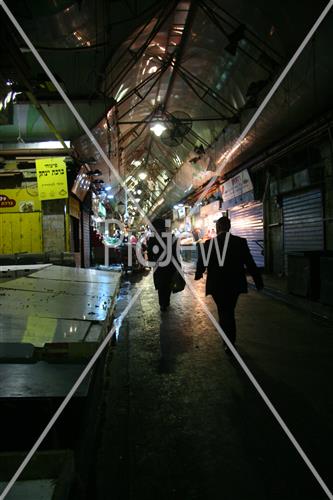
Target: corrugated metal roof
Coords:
[[209, 62]]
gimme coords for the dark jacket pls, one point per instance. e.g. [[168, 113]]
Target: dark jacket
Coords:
[[231, 277], [163, 276]]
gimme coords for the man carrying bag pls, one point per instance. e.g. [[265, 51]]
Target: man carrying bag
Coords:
[[167, 279]]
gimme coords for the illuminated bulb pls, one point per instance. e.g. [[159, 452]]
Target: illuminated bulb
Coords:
[[142, 175], [158, 129], [136, 163]]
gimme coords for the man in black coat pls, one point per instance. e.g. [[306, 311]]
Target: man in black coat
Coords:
[[225, 257], [164, 275]]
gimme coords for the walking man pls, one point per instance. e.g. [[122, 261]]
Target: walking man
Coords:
[[164, 275], [225, 257]]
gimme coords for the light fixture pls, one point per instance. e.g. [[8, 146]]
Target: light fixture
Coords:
[[94, 172], [137, 200], [158, 128], [142, 175], [139, 191], [136, 163], [108, 188]]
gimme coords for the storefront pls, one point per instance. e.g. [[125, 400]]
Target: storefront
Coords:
[[75, 227], [247, 221], [245, 213], [205, 221], [20, 221], [86, 231], [37, 214], [296, 220]]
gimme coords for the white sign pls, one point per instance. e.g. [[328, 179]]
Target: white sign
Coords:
[[181, 212], [237, 186], [211, 208]]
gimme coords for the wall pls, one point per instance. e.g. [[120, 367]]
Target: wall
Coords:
[[54, 226], [274, 236]]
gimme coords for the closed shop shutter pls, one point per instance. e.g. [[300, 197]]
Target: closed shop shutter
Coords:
[[86, 239], [21, 233], [303, 227], [248, 223]]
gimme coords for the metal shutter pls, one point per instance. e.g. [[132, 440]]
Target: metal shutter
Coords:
[[86, 239], [303, 227], [248, 223]]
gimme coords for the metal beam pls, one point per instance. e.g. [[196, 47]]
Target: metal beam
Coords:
[[188, 75], [216, 20], [136, 55], [25, 153], [238, 22], [180, 49], [213, 119], [174, 59], [135, 91]]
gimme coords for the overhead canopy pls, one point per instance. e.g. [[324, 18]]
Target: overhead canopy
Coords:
[[75, 39], [199, 68]]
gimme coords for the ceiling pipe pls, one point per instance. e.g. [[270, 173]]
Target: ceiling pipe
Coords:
[[24, 153]]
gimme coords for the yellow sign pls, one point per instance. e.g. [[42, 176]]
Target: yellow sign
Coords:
[[51, 178], [19, 200]]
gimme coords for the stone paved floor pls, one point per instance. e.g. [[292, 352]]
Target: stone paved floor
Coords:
[[193, 427]]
